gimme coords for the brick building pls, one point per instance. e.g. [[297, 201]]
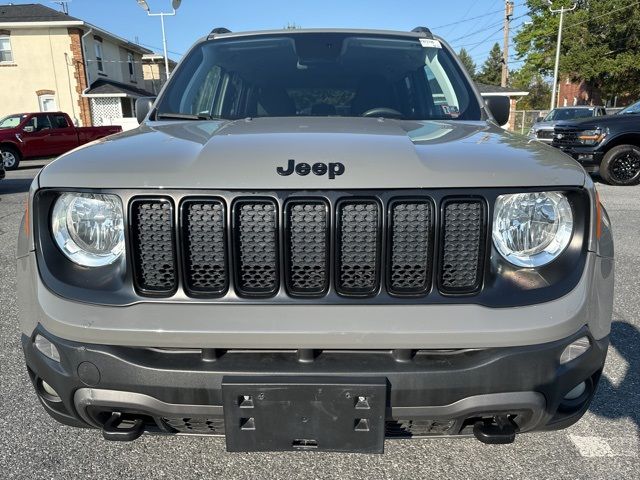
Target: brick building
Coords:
[[577, 93]]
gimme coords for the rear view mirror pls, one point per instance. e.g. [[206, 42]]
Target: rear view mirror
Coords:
[[500, 108], [539, 119], [143, 107], [28, 129]]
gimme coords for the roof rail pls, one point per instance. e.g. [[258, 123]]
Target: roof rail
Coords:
[[424, 30], [218, 31]]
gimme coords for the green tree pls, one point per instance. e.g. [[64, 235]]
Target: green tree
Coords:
[[491, 72], [468, 62], [600, 44], [537, 86]]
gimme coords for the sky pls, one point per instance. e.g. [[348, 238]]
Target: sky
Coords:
[[196, 18]]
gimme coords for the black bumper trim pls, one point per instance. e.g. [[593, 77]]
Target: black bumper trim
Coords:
[[433, 384]]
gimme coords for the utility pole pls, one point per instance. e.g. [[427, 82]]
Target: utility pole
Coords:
[[175, 4], [561, 11], [508, 13]]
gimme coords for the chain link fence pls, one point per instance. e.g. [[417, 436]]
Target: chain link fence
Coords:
[[524, 119]]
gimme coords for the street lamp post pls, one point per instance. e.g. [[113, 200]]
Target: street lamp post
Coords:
[[175, 4], [561, 11]]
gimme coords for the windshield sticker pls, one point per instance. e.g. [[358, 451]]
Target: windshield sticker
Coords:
[[430, 43]]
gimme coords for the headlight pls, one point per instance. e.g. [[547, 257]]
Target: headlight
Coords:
[[532, 229], [89, 228], [591, 137]]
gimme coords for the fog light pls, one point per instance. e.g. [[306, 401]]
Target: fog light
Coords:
[[574, 350], [576, 392], [47, 348], [49, 389]]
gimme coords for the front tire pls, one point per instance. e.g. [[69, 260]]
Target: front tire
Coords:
[[11, 157], [621, 165]]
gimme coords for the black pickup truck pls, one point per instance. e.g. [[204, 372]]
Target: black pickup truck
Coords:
[[607, 145]]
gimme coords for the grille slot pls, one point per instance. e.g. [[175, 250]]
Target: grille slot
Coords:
[[358, 238], [462, 250], [410, 239], [256, 244], [205, 250], [154, 257], [307, 247]]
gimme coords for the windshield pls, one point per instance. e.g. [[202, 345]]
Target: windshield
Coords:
[[568, 114], [635, 108], [319, 74], [11, 121]]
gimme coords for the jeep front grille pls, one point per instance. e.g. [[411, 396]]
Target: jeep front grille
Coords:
[[288, 246]]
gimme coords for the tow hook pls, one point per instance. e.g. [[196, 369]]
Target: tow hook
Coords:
[[119, 429], [496, 432]]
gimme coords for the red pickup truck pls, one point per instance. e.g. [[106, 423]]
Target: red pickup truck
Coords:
[[47, 134]]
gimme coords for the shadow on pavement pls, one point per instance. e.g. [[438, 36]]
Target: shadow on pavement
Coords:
[[622, 401], [15, 185]]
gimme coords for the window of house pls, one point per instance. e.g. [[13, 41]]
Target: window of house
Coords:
[[6, 55], [98, 47], [47, 103], [128, 110], [130, 64]]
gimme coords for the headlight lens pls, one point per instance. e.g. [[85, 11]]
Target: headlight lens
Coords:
[[89, 228], [591, 137], [532, 229]]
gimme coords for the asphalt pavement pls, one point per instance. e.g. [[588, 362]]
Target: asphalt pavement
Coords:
[[604, 444]]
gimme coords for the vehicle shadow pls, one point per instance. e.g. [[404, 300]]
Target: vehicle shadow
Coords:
[[15, 185], [621, 401]]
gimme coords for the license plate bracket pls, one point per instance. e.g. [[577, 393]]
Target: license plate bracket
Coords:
[[342, 414]]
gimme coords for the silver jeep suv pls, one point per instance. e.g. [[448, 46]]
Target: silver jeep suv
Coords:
[[316, 239]]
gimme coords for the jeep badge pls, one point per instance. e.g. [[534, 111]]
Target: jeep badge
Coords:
[[334, 169]]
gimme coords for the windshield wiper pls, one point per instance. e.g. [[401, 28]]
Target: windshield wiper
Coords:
[[184, 116]]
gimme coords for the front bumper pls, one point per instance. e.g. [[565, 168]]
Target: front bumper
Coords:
[[430, 392], [588, 157]]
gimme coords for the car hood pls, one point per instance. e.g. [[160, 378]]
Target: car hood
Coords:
[[376, 153], [594, 122], [545, 125]]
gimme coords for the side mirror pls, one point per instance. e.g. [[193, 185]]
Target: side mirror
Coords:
[[28, 129], [143, 107], [500, 108], [539, 119]]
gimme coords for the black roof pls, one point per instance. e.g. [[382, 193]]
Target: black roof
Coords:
[[104, 87], [33, 12], [484, 88]]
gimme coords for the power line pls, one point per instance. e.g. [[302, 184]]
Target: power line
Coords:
[[604, 14], [467, 20], [484, 29], [475, 32], [466, 14], [158, 48]]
